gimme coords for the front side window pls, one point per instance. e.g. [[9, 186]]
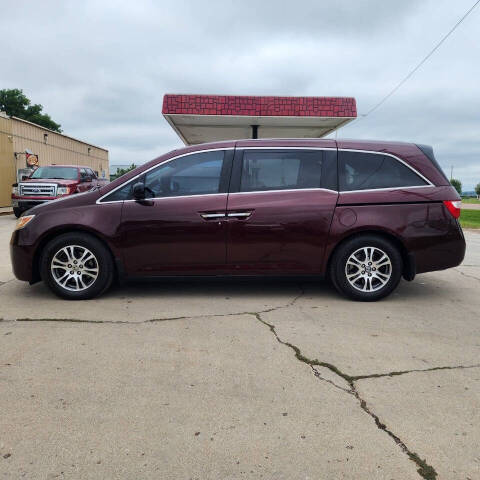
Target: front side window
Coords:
[[195, 174], [366, 171], [281, 170]]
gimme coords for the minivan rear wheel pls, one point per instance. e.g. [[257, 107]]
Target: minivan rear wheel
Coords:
[[76, 266], [366, 268]]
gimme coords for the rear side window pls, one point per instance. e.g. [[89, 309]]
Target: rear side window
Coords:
[[428, 151], [365, 171], [283, 170]]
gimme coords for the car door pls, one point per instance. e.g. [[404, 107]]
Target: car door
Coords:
[[279, 210], [180, 227]]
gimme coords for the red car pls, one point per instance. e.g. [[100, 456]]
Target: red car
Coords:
[[363, 214], [52, 182]]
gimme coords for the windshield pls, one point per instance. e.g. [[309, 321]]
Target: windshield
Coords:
[[64, 173]]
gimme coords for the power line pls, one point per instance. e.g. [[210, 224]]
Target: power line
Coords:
[[384, 99]]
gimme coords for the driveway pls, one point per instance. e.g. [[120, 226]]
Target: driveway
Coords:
[[471, 206], [232, 379]]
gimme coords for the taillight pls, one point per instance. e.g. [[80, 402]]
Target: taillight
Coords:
[[454, 207]]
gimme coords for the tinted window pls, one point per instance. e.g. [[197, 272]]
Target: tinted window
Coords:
[[194, 174], [428, 151], [123, 193], [362, 171], [281, 170]]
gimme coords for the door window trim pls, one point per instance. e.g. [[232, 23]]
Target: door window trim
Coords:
[[233, 173], [225, 174], [287, 190]]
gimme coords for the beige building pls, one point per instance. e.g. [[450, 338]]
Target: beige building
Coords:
[[20, 140]]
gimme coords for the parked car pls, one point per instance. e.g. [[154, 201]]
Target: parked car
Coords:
[[362, 213], [52, 182]]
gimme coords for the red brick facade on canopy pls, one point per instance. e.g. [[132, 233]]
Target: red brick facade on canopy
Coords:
[[259, 106], [199, 118]]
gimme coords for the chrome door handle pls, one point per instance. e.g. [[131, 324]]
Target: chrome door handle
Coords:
[[208, 216], [239, 214]]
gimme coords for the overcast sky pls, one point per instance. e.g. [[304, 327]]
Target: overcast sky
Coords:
[[101, 68]]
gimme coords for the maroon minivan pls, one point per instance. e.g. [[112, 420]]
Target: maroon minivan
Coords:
[[361, 213]]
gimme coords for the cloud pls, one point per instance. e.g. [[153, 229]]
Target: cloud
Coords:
[[101, 68]]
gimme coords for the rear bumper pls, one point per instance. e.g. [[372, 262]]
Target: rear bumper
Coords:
[[443, 251]]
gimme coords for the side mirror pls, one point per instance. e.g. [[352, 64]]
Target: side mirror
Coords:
[[138, 191]]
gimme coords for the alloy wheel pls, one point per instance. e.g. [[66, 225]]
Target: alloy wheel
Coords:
[[74, 268], [368, 269]]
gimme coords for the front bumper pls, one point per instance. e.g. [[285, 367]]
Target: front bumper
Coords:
[[22, 258], [26, 204]]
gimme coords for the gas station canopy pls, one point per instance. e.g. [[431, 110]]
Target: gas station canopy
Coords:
[[209, 118]]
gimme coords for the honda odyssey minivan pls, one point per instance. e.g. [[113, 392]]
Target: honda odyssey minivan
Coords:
[[364, 214]]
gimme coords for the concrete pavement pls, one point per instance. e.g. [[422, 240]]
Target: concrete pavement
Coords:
[[241, 380], [6, 211]]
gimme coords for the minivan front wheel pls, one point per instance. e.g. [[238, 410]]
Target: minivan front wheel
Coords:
[[366, 268], [76, 266]]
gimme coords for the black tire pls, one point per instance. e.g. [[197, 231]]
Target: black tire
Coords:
[[352, 251], [101, 264], [17, 211]]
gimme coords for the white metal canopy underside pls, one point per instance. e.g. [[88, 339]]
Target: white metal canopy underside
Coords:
[[195, 129]]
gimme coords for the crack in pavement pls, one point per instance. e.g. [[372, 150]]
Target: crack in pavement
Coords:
[[142, 322], [331, 382], [425, 470], [466, 274], [8, 281], [97, 322], [414, 370], [157, 320]]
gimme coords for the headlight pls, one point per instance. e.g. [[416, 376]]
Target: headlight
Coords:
[[14, 190], [62, 191], [22, 222]]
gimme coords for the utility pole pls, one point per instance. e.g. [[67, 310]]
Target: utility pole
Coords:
[[451, 172]]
